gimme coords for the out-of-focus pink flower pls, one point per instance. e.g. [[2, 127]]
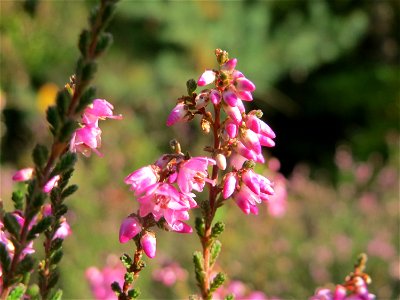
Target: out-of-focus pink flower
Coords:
[[130, 227], [357, 291], [169, 274], [148, 243], [142, 178], [100, 280], [23, 174], [99, 109], [193, 174], [51, 184], [206, 78], [240, 292], [277, 203], [178, 114], [86, 139]]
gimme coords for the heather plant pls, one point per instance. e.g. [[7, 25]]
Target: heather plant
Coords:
[[74, 126]]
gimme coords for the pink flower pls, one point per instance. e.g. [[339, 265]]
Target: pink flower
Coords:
[[164, 200], [169, 274], [86, 139], [64, 230], [277, 203], [193, 174], [142, 178], [230, 181], [130, 227], [178, 114], [250, 140], [206, 78], [100, 280], [23, 174], [51, 184], [148, 243], [99, 109]]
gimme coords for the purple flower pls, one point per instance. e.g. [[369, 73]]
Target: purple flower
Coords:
[[51, 184], [86, 139], [148, 243], [178, 114], [193, 174], [99, 109], [23, 174], [206, 78], [130, 227], [142, 178]]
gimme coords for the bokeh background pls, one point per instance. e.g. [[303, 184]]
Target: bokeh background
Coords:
[[327, 78]]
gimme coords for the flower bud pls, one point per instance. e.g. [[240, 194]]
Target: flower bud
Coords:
[[229, 185], [23, 174], [148, 243], [51, 184], [130, 227], [206, 78], [221, 161], [205, 125]]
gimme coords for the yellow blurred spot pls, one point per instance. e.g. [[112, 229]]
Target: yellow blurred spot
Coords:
[[46, 96]]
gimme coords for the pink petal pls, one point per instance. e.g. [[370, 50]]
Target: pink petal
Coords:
[[206, 78]]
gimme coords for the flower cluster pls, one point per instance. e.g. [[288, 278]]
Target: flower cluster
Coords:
[[241, 135], [27, 174], [164, 192], [87, 138], [170, 273]]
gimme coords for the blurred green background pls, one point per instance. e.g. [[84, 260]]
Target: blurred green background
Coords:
[[326, 74]]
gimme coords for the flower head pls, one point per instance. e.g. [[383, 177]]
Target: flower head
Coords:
[[23, 174], [130, 227]]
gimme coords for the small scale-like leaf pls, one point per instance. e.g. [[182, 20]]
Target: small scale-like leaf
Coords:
[[40, 154], [88, 71], [86, 99], [229, 297], [17, 293], [218, 280], [129, 277], [25, 265], [53, 119], [53, 279], [84, 40], [65, 179], [200, 226], [12, 225], [104, 41], [5, 259], [57, 295], [40, 227], [134, 293], [61, 210], [191, 86], [69, 191], [214, 252], [18, 199], [116, 288], [63, 100], [33, 292], [38, 200], [67, 130], [56, 244], [126, 260], [66, 163], [217, 229], [56, 257]]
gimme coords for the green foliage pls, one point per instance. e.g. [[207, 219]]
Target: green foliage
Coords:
[[218, 280], [54, 119], [40, 227], [39, 155], [133, 293], [63, 100], [126, 260], [104, 42], [116, 288], [217, 229], [57, 295], [191, 86], [17, 293], [69, 191], [67, 129], [33, 292], [25, 265], [86, 98], [198, 267], [66, 163], [214, 252], [56, 257], [18, 199], [4, 258], [129, 277], [11, 225], [200, 226]]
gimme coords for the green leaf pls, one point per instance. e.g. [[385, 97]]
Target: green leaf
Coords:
[[53, 119], [217, 229], [56, 244], [17, 293], [107, 14], [214, 252], [5, 259], [66, 163], [88, 71], [126, 260], [116, 288], [218, 280], [191, 86], [86, 99], [56, 257], [61, 210], [129, 277], [40, 155], [57, 295], [133, 293], [67, 130], [53, 279], [198, 267], [38, 200], [40, 227], [12, 225], [65, 178], [63, 100], [200, 226], [229, 297], [18, 199], [33, 292], [84, 40], [69, 191], [105, 40], [25, 265]]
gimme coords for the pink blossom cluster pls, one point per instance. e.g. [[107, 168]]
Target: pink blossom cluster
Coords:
[[356, 290], [100, 280], [169, 274], [164, 192], [241, 135], [87, 138]]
